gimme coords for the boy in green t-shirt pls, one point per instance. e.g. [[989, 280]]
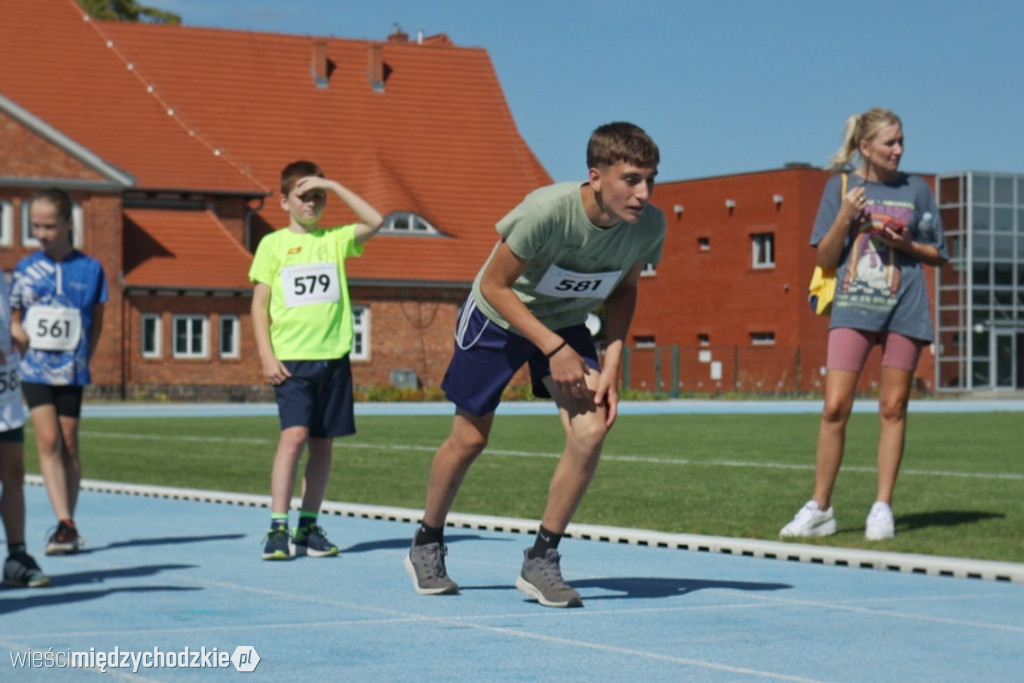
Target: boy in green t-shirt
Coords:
[[302, 317]]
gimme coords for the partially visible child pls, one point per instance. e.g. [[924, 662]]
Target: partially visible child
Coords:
[[57, 298], [302, 318], [20, 569]]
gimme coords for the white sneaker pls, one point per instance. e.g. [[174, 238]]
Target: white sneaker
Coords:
[[880, 523], [811, 521]]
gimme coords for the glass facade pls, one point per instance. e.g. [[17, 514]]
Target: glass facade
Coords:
[[979, 302]]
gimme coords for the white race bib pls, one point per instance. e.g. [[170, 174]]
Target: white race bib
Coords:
[[312, 283], [568, 284], [53, 328]]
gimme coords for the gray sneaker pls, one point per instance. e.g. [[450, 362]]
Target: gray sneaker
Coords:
[[541, 579], [425, 564]]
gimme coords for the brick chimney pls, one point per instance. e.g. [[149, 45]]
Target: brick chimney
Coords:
[[398, 35], [375, 66], [318, 63]]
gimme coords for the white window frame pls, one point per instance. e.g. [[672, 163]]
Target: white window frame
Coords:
[[648, 271], [360, 333], [158, 326], [77, 219], [6, 223], [204, 337], [415, 224], [762, 338], [644, 341], [230, 321], [762, 250]]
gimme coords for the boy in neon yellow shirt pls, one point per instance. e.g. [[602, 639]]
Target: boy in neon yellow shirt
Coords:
[[302, 318]]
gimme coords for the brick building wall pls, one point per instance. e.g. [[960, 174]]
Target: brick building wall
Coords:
[[708, 297]]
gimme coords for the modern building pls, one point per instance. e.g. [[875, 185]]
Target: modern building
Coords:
[[980, 316]]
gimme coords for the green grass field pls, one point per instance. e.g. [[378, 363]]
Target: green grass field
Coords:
[[961, 492]]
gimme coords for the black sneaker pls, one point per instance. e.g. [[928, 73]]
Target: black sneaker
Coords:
[[541, 579], [64, 541], [313, 541], [425, 564], [22, 571], [278, 545]]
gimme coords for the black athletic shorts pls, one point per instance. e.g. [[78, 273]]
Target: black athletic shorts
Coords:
[[67, 398]]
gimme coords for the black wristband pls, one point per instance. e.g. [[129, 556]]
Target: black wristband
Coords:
[[557, 349]]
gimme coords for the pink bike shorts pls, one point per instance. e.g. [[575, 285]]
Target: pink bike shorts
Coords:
[[848, 349]]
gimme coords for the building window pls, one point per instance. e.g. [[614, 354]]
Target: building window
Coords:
[[26, 226], [704, 243], [644, 341], [704, 339], [229, 336], [190, 336], [648, 270], [6, 223], [360, 333], [762, 338], [763, 250], [407, 223], [151, 328]]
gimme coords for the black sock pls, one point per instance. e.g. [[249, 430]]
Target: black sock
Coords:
[[429, 534], [545, 541], [13, 548]]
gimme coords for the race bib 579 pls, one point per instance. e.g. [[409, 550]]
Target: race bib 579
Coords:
[[312, 283]]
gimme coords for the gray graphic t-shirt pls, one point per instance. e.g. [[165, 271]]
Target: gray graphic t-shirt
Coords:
[[878, 288]]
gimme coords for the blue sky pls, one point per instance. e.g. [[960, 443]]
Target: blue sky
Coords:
[[724, 86]]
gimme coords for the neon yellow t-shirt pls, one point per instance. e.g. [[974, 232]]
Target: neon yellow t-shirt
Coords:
[[310, 309]]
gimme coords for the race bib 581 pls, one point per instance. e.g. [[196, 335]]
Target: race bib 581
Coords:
[[565, 283]]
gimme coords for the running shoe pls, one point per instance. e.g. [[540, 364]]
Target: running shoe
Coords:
[[312, 541], [64, 541], [811, 521], [278, 545], [21, 570], [425, 565], [541, 579], [880, 523]]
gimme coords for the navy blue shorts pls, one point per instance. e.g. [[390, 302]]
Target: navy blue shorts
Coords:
[[318, 396], [487, 357]]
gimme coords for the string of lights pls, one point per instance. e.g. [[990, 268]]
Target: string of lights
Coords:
[[166, 105]]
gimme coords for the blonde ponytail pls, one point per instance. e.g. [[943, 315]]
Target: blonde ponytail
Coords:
[[860, 127]]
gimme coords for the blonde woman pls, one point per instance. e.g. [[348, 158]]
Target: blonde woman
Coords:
[[878, 237]]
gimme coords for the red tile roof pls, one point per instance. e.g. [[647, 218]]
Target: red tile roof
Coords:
[[179, 248], [439, 141]]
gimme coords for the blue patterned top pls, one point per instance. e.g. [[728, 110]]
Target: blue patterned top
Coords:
[[66, 293]]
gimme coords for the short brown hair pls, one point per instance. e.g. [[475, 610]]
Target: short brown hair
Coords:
[[621, 141], [295, 171]]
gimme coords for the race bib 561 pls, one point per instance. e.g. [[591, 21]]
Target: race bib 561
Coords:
[[53, 328]]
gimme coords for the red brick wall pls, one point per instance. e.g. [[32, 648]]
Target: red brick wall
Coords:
[[410, 329], [717, 292]]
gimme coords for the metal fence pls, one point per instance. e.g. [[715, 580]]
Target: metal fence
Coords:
[[675, 370]]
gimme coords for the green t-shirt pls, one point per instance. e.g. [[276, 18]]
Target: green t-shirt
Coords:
[[310, 309], [573, 264]]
